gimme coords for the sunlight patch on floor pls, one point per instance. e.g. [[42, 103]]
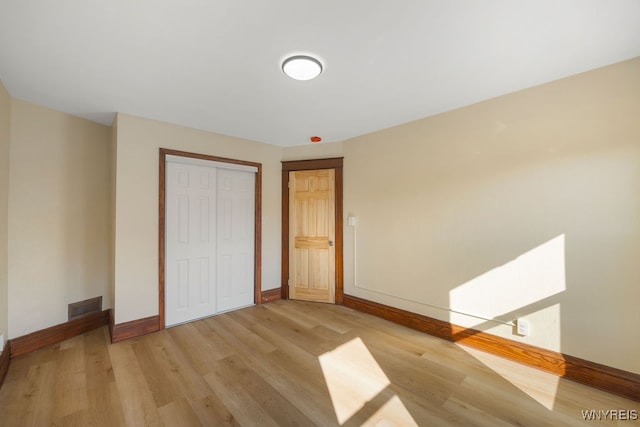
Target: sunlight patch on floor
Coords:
[[540, 386], [392, 413], [355, 379]]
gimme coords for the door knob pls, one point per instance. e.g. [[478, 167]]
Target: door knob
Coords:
[[330, 242]]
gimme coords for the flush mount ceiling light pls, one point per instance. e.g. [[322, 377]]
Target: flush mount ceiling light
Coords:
[[302, 67]]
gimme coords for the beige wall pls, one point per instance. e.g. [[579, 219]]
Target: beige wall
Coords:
[[136, 219], [522, 206], [58, 216], [5, 137], [314, 151]]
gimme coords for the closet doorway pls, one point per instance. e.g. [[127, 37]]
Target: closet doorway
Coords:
[[209, 236]]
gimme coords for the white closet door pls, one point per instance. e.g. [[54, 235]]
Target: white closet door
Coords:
[[190, 239], [235, 238]]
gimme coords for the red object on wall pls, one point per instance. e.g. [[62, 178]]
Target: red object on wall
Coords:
[[315, 139]]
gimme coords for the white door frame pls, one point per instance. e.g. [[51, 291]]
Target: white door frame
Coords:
[[257, 259]]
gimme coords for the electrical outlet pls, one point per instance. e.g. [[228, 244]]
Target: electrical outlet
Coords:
[[523, 327]]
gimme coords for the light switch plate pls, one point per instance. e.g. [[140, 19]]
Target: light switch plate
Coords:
[[523, 327]]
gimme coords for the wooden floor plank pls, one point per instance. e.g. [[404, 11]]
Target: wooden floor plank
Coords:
[[71, 380], [105, 407], [179, 413], [244, 408], [12, 401], [201, 346], [136, 398], [287, 363], [103, 398], [20, 366], [283, 412], [39, 394], [98, 363], [212, 412], [237, 336], [312, 313], [274, 328], [167, 371], [74, 419], [308, 396]]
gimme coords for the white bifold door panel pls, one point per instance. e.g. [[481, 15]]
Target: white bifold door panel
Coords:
[[235, 249], [209, 240]]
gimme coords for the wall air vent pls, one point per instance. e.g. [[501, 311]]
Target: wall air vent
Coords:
[[81, 308]]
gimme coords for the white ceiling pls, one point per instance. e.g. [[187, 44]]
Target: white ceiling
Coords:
[[215, 64]]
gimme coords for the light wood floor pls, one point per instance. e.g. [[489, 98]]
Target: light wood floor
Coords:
[[287, 363]]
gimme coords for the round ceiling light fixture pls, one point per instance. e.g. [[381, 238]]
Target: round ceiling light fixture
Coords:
[[302, 67]]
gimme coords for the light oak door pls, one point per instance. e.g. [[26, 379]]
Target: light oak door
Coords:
[[312, 235]]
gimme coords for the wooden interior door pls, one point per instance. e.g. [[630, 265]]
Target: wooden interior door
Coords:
[[312, 235]]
